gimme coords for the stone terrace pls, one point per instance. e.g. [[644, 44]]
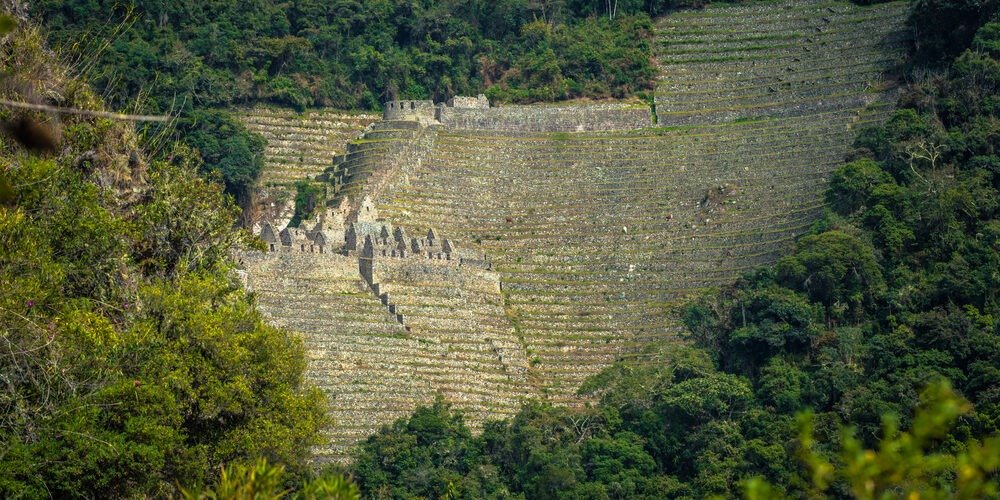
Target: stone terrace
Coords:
[[374, 369], [301, 145], [769, 59], [598, 237]]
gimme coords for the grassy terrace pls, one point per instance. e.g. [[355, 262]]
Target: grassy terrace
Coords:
[[385, 144], [731, 62], [375, 370], [596, 236]]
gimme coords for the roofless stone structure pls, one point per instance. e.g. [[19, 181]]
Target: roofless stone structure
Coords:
[[492, 254]]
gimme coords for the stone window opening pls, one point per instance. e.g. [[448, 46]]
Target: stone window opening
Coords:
[[272, 247], [303, 247]]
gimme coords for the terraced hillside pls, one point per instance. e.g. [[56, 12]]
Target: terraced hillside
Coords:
[[457, 342], [384, 147], [597, 237], [784, 59], [299, 147], [594, 237], [302, 145]]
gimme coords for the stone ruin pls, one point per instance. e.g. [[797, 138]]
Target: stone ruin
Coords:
[[366, 236]]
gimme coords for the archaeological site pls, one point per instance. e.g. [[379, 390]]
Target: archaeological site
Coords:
[[492, 253]]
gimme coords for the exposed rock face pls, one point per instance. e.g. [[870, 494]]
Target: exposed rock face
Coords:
[[493, 254]]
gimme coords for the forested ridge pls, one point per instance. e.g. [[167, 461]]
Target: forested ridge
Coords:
[[133, 363], [351, 54], [866, 363]]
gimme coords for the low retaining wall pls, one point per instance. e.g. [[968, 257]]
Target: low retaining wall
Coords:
[[547, 118]]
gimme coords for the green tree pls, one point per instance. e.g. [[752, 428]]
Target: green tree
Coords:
[[836, 269], [226, 147]]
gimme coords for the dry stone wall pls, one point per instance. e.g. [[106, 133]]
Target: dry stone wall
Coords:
[[409, 110], [580, 118]]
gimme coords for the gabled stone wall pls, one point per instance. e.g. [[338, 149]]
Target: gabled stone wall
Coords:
[[409, 110]]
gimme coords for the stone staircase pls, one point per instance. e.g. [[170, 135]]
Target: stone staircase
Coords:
[[383, 148], [390, 306]]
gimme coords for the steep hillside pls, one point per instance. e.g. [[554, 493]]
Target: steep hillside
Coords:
[[784, 59], [299, 147], [593, 236], [133, 363], [301, 144], [597, 235]]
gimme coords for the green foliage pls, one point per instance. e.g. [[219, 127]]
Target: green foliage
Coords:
[[260, 481], [307, 197], [350, 54], [835, 269], [7, 24], [749, 324], [184, 220], [120, 384], [133, 360], [908, 464], [432, 454], [945, 28], [265, 481], [592, 58], [988, 39], [226, 148]]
